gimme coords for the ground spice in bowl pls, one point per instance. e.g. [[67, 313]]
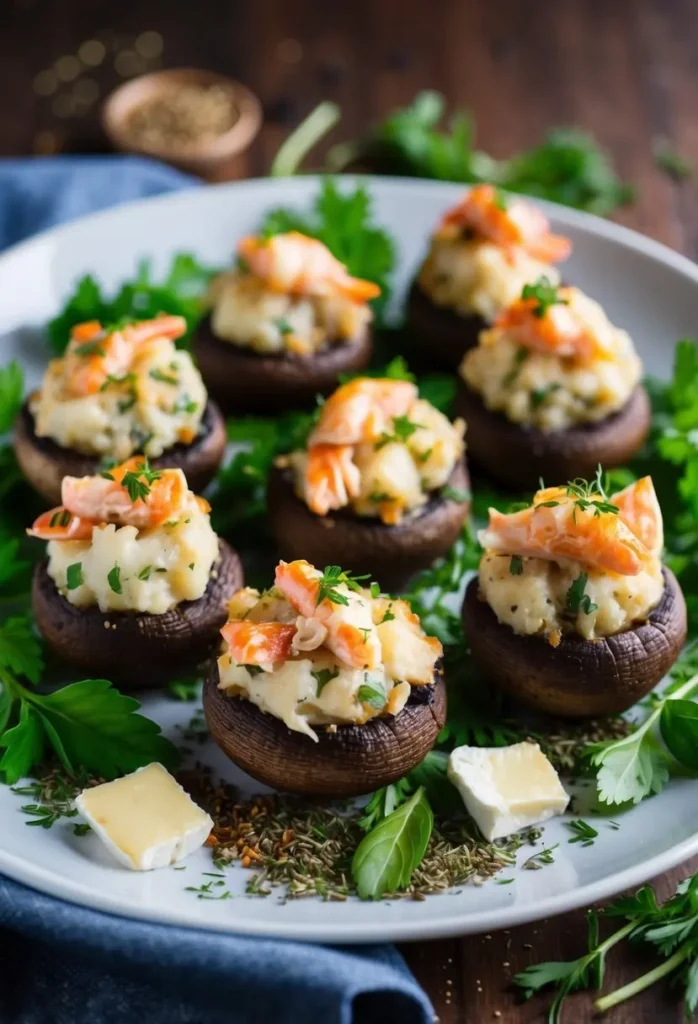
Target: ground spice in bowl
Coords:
[[187, 116]]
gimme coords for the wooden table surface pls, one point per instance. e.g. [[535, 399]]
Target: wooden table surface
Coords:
[[626, 70]]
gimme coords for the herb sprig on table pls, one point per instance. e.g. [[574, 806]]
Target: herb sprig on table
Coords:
[[671, 930], [567, 167]]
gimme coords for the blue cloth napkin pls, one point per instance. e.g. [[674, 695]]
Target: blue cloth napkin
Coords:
[[64, 964]]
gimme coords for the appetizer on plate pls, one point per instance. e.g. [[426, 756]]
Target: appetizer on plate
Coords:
[[285, 322], [552, 390], [572, 610], [116, 392], [324, 687], [382, 482], [484, 251], [135, 583]]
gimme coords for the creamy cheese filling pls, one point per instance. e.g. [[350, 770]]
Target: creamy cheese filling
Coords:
[[250, 315], [549, 392], [531, 595], [158, 404], [398, 478], [125, 569], [478, 277], [315, 687]]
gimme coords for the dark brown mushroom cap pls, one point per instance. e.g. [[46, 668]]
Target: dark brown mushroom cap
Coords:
[[45, 463], [246, 381], [578, 678], [519, 456], [439, 336], [389, 554], [353, 760], [132, 649]]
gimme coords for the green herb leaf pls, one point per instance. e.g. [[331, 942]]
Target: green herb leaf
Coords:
[[545, 294], [94, 727], [114, 579], [403, 429], [162, 377], [11, 394], [283, 326], [332, 577], [386, 858], [20, 650], [442, 795], [24, 746], [576, 598], [679, 727], [516, 565], [672, 162], [73, 576], [323, 676], [139, 481], [454, 494], [584, 833], [374, 696]]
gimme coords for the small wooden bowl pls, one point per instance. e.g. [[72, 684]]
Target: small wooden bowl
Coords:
[[578, 678], [354, 759], [216, 159]]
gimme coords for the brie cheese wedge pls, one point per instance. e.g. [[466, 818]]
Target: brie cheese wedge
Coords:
[[145, 819], [507, 788]]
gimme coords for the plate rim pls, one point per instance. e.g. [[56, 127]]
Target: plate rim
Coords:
[[438, 926]]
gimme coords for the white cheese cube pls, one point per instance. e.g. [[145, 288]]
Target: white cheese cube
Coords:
[[145, 819], [507, 788]]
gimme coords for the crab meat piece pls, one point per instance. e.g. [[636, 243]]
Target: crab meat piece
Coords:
[[331, 477], [558, 527], [351, 634], [259, 643], [295, 264], [362, 410], [508, 222]]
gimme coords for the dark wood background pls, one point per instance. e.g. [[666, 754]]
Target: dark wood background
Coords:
[[627, 70]]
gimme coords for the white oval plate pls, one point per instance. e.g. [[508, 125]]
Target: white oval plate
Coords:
[[645, 287]]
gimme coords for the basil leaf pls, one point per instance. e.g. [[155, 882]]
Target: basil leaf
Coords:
[[387, 856], [679, 726], [371, 695]]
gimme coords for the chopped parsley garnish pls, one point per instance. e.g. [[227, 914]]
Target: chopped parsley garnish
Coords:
[[164, 378], [127, 403], [516, 565], [454, 494], [403, 429], [60, 518], [253, 670], [331, 578], [138, 482], [424, 456], [500, 200], [520, 358], [373, 696], [584, 833], [283, 326], [242, 265], [584, 494], [323, 676], [126, 378], [185, 404], [545, 294], [388, 617], [577, 600], [375, 590], [145, 572], [191, 565], [91, 348], [365, 632], [540, 395], [114, 579], [377, 497], [73, 576]]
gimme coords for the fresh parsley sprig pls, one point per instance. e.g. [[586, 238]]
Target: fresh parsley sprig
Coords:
[[334, 576], [139, 481], [545, 294], [631, 768]]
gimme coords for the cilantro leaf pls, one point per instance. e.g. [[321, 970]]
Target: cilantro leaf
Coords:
[[11, 394]]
